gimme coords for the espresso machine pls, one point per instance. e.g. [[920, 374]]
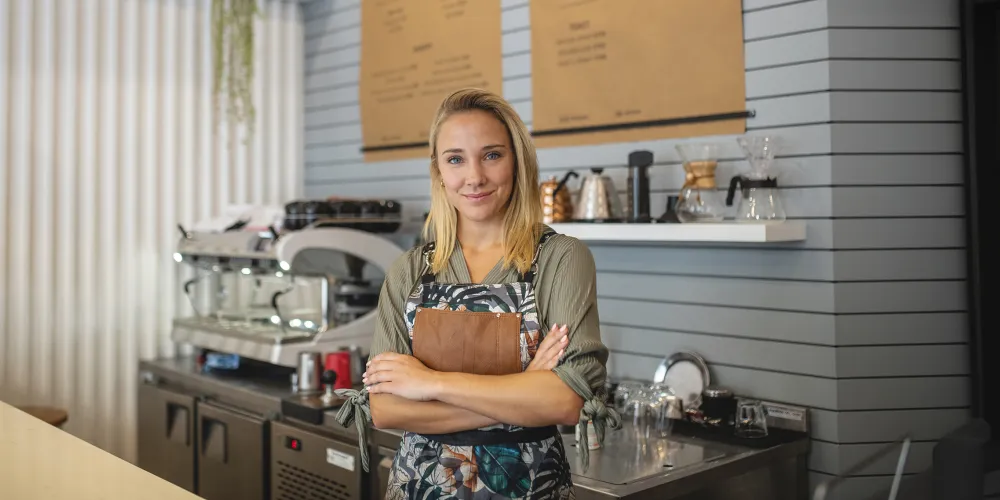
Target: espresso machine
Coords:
[[273, 288]]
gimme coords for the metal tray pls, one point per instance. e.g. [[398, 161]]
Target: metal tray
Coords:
[[693, 399]]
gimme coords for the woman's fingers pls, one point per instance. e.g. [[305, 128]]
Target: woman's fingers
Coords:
[[562, 338], [557, 358], [381, 388], [385, 356], [552, 361], [551, 340], [377, 367], [551, 349], [377, 377], [560, 348]]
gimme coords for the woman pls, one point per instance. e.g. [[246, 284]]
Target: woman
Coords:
[[459, 360]]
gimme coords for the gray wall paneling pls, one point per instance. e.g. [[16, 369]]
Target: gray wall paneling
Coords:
[[864, 322]]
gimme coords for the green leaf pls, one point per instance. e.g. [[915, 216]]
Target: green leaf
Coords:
[[502, 470]]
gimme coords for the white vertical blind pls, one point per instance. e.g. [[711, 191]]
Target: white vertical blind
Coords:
[[107, 142]]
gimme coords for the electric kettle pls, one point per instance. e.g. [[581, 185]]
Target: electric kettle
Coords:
[[598, 199]]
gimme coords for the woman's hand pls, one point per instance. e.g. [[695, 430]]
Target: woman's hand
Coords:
[[551, 350], [402, 375]]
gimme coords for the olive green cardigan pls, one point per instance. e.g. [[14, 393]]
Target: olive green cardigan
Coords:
[[565, 292]]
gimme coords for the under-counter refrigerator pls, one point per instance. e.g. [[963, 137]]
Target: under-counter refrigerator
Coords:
[[215, 451]]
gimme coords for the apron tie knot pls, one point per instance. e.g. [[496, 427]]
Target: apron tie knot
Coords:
[[356, 409]]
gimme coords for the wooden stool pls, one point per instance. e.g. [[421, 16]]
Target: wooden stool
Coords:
[[48, 414]]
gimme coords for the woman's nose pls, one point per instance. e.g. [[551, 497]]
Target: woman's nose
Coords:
[[475, 175]]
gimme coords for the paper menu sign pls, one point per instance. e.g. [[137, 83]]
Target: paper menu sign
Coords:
[[629, 64], [413, 54]]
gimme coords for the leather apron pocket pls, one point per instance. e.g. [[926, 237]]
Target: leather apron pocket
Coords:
[[480, 343]]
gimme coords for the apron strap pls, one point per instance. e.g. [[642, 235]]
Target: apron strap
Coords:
[[529, 277], [427, 276]]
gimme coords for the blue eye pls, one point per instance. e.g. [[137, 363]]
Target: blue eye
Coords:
[[492, 155], [454, 160]]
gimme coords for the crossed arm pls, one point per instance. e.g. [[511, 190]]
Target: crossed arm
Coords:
[[390, 411], [406, 395]]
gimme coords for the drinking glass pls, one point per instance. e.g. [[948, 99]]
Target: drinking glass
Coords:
[[661, 396], [639, 414], [751, 421], [625, 391]]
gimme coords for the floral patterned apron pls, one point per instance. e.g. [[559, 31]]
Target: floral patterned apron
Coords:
[[500, 461]]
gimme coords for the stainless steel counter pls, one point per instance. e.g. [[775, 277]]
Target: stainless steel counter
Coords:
[[680, 467], [626, 467]]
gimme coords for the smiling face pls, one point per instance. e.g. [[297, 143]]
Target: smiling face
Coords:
[[476, 163]]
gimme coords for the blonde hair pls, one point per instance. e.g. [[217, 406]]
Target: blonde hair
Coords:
[[523, 215]]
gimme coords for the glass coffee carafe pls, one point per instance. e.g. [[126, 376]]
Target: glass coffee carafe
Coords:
[[699, 199], [760, 201]]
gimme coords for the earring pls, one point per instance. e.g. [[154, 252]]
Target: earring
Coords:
[[442, 183]]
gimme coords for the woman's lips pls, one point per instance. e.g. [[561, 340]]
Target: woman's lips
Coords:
[[478, 196]]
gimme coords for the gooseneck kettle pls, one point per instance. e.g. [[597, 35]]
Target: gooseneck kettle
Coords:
[[598, 200]]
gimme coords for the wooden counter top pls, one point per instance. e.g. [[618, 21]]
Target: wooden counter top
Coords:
[[39, 461]]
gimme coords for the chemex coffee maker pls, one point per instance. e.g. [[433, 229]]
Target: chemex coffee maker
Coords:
[[265, 286], [700, 201], [760, 201]]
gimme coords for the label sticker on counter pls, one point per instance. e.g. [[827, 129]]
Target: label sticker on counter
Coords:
[[792, 415], [340, 459]]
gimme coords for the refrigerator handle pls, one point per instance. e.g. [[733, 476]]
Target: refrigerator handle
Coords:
[[214, 443], [178, 424]]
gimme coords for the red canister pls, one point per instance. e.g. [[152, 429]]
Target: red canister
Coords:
[[340, 362]]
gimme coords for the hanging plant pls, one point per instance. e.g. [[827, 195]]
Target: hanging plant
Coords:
[[232, 44]]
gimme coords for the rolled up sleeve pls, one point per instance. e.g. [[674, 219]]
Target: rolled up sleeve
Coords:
[[569, 296], [568, 290], [390, 336]]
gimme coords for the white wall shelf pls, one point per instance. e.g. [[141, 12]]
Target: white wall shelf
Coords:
[[674, 232]]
